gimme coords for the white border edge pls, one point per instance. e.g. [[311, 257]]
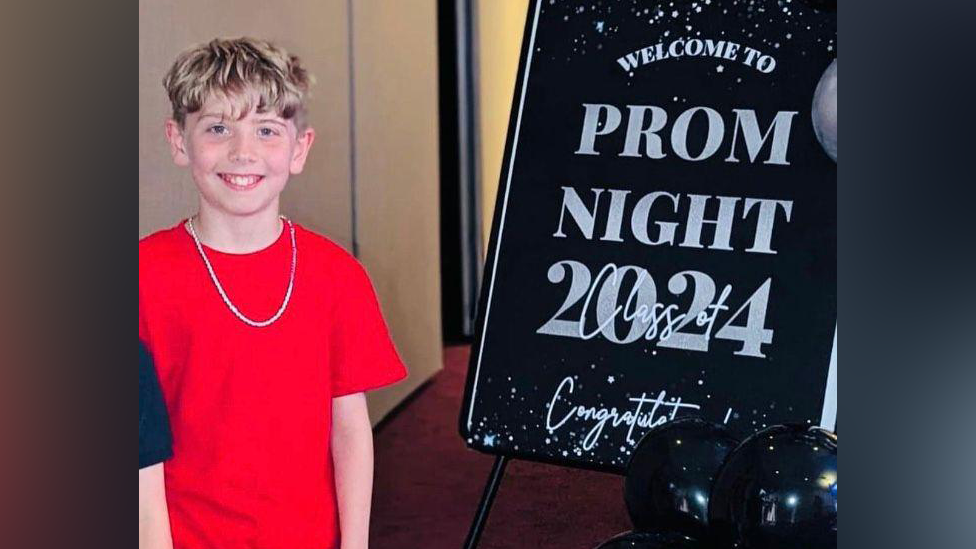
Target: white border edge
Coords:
[[828, 417], [501, 222]]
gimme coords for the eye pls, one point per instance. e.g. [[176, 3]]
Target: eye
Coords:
[[218, 129], [267, 132]]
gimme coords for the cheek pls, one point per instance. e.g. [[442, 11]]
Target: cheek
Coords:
[[279, 157], [204, 156]]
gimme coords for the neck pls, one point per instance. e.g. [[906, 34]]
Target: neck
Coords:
[[237, 234]]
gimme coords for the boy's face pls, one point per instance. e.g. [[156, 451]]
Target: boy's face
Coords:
[[240, 166]]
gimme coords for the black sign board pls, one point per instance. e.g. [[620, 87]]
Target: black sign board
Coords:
[[664, 239]]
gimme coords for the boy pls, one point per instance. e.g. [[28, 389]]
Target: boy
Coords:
[[265, 334]]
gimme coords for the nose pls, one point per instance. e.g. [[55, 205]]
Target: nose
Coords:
[[242, 149]]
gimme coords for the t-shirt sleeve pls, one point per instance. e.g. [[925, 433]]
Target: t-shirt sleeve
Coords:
[[155, 439], [363, 356]]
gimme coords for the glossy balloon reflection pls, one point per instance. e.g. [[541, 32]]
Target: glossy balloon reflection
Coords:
[[670, 475], [778, 490], [650, 540], [824, 110]]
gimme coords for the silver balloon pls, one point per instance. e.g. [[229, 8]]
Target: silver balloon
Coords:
[[824, 110]]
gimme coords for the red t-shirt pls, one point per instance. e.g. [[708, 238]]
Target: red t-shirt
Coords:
[[250, 408]]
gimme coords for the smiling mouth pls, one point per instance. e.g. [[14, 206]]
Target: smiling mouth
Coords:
[[241, 182]]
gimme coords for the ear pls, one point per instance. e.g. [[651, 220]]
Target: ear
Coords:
[[304, 143], [177, 143]]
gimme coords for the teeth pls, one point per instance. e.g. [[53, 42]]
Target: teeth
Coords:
[[241, 180]]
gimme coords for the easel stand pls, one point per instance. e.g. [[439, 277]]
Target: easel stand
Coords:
[[491, 488]]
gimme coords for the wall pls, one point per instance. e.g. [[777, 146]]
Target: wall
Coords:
[[397, 175], [498, 42], [394, 108]]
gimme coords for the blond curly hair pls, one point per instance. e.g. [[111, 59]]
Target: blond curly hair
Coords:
[[238, 70]]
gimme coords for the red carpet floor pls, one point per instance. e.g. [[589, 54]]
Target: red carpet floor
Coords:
[[427, 484]]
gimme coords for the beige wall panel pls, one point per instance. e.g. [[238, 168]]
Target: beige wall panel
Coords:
[[498, 43], [315, 30], [397, 174]]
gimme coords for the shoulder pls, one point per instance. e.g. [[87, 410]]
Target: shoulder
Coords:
[[330, 258], [326, 252], [160, 242], [162, 250]]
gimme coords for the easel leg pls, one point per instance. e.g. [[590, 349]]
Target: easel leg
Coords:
[[474, 534]]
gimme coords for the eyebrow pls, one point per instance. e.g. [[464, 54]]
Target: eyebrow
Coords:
[[272, 120], [223, 116]]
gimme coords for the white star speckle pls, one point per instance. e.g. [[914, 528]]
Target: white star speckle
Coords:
[[719, 68], [610, 379]]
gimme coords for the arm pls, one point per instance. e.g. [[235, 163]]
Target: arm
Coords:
[[154, 530], [352, 456]]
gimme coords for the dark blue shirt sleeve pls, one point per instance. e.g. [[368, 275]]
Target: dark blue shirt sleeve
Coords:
[[155, 439]]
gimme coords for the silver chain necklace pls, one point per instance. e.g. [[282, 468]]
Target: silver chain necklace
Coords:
[[223, 294]]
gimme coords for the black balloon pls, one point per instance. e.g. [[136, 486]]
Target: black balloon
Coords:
[[778, 490], [670, 475], [650, 540]]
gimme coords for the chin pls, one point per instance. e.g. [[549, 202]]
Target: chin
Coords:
[[243, 206], [241, 211]]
